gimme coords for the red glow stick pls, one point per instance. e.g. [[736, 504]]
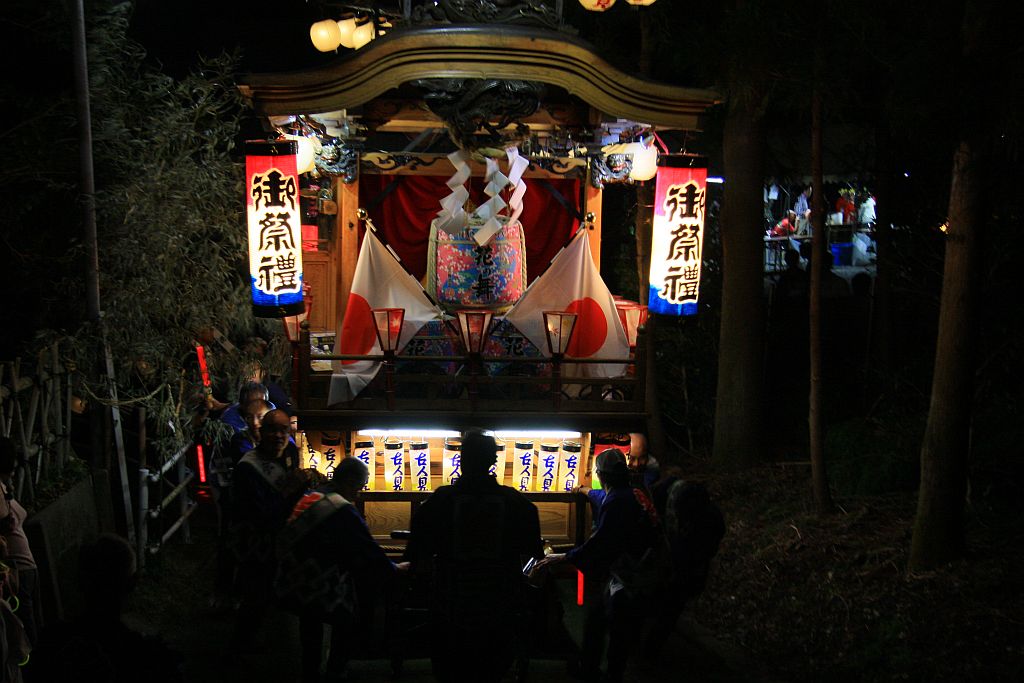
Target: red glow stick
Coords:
[[579, 587], [200, 460], [203, 368]]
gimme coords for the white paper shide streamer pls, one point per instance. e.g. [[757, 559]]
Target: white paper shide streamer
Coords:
[[453, 217]]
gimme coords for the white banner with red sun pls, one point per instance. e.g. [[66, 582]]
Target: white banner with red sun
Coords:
[[379, 282], [573, 283]]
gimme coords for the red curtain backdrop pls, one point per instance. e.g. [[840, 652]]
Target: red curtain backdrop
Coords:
[[403, 217]]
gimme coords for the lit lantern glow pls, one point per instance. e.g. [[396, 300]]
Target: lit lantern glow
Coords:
[[305, 157], [569, 466], [632, 316], [547, 467], [364, 451], [394, 465], [597, 5], [347, 27], [274, 219], [522, 465], [497, 470], [645, 159], [451, 464], [474, 326], [419, 465], [389, 327], [641, 3], [677, 245], [325, 35], [558, 325], [363, 34]]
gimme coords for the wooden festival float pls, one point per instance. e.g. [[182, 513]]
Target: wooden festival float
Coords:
[[457, 287]]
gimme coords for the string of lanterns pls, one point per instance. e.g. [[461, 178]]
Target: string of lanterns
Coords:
[[352, 32]]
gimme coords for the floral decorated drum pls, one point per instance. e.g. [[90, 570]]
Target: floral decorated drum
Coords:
[[463, 274]]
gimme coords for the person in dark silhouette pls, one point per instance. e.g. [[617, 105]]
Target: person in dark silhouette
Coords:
[[626, 530], [332, 571], [266, 486], [98, 646], [694, 527], [475, 536]]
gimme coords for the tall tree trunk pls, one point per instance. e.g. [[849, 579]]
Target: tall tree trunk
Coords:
[[819, 244], [938, 527], [741, 338]]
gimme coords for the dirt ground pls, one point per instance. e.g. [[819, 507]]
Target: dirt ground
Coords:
[[816, 598]]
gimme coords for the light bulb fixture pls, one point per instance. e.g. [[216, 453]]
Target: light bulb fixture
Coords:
[[325, 35]]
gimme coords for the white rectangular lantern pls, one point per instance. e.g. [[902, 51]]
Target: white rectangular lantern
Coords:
[[365, 451], [677, 245], [419, 465], [275, 223]]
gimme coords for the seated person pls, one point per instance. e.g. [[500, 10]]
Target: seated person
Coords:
[[785, 227]]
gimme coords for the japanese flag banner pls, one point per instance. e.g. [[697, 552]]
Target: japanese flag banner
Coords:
[[380, 281], [573, 283]]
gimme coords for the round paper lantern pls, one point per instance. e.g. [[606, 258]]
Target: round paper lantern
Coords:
[[325, 35], [645, 160], [597, 5], [347, 27], [305, 159], [642, 3], [363, 34]]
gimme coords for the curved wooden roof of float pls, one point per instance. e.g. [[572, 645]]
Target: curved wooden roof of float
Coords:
[[476, 51]]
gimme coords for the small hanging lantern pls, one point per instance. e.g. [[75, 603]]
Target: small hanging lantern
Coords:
[[325, 35], [305, 155], [641, 3], [274, 219], [630, 315], [645, 159], [558, 325], [474, 326], [347, 27], [364, 33], [388, 322]]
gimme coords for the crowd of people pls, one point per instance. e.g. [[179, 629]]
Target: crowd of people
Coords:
[[291, 539], [849, 208], [304, 541]]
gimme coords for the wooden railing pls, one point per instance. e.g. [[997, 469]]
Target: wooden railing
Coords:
[[35, 412], [526, 392]]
